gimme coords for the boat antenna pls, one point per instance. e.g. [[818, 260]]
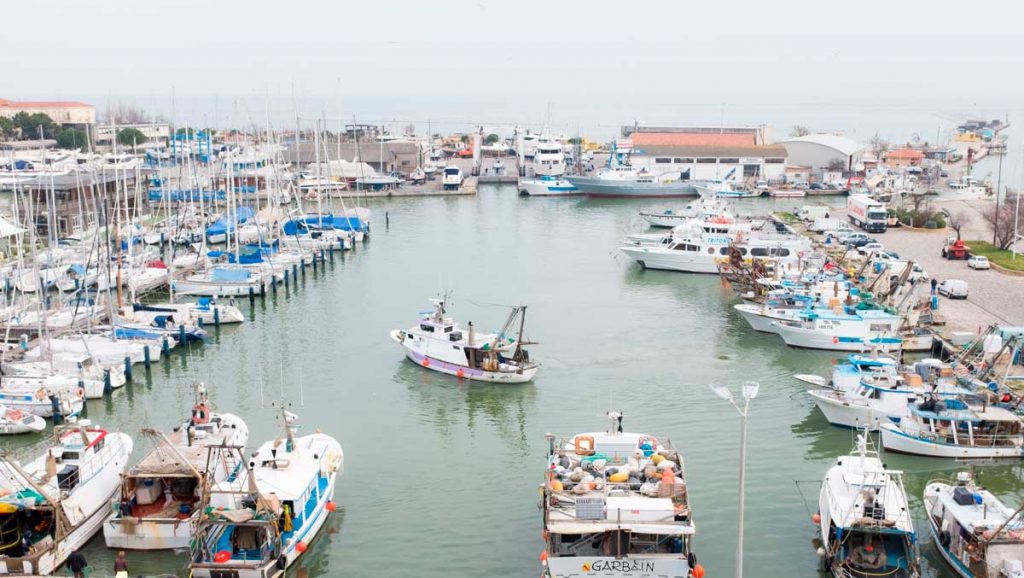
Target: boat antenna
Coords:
[[302, 401]]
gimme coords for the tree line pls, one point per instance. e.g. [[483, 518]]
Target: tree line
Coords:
[[25, 126]]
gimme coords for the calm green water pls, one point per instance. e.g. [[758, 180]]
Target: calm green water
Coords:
[[441, 476]]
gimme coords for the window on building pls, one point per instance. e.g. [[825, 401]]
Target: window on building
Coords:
[[729, 161], [662, 160], [775, 161], [707, 160], [685, 160], [751, 171]]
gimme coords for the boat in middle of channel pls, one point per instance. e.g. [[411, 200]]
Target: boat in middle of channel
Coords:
[[438, 343]]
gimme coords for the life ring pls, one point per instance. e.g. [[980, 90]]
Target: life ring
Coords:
[[581, 449], [200, 413], [81, 393], [648, 440]]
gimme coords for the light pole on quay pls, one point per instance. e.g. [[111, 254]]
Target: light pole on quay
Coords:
[[748, 392]]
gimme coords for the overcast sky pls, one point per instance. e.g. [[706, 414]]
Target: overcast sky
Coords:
[[591, 65]]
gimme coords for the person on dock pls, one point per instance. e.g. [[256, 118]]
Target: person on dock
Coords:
[[121, 565], [77, 564]]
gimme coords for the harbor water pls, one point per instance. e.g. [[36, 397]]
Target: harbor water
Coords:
[[441, 475]]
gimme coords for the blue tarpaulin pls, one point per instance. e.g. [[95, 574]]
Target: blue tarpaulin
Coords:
[[228, 275]]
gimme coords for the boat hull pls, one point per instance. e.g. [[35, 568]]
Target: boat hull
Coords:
[[894, 439], [147, 534], [462, 371], [541, 188], [662, 259], [758, 321], [844, 414], [811, 339], [624, 189]]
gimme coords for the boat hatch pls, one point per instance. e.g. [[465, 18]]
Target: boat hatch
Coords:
[[455, 336]]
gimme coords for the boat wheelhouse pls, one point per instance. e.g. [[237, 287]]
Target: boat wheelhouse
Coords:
[[615, 504]]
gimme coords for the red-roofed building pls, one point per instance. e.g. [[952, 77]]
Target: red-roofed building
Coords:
[[905, 157], [61, 111], [738, 154]]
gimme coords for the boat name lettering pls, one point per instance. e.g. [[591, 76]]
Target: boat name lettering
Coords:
[[622, 566], [716, 240]]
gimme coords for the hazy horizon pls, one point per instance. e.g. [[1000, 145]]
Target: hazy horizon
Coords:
[[903, 71]]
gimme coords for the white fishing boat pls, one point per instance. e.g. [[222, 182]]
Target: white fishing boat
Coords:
[[762, 317], [950, 429], [42, 403], [976, 534], [864, 519], [53, 504], [438, 343], [616, 504], [547, 187], [157, 505], [842, 330], [705, 207], [847, 375], [880, 398], [16, 421], [262, 520]]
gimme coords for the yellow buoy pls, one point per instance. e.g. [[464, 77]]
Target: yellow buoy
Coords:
[[618, 477], [657, 458]]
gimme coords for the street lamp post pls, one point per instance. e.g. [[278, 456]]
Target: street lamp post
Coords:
[[748, 392]]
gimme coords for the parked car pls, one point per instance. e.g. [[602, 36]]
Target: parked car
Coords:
[[978, 262], [762, 185], [816, 187], [953, 288], [855, 238], [871, 247], [799, 185]]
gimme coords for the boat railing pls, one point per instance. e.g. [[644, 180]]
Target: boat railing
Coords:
[[593, 507]]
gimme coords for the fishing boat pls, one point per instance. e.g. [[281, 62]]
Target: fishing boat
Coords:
[[417, 176], [625, 182], [615, 503], [976, 534], [847, 375], [880, 398], [864, 519], [547, 187], [16, 421], [42, 403], [157, 506], [707, 207], [847, 329], [53, 504], [258, 523], [438, 343], [950, 429]]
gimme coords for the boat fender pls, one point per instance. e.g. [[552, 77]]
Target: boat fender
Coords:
[[81, 393], [41, 394], [691, 559], [282, 562]]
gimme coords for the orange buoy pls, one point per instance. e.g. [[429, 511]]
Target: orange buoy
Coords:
[[331, 506], [426, 362], [835, 339], [698, 571], [667, 477], [222, 557], [816, 518], [544, 556], [544, 535], [300, 547], [459, 373]]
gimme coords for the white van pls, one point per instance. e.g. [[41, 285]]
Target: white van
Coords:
[[953, 288], [813, 212]]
